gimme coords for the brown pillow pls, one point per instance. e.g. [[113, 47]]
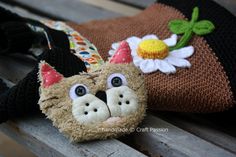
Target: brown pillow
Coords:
[[209, 84]]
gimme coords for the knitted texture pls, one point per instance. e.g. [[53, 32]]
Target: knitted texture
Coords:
[[3, 86], [222, 40], [204, 87], [6, 16], [13, 32], [22, 99], [15, 37], [165, 60]]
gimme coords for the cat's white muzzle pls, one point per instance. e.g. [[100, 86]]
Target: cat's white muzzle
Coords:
[[121, 101]]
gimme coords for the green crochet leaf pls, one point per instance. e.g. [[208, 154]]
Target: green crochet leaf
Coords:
[[203, 27], [179, 26], [188, 28], [195, 14]]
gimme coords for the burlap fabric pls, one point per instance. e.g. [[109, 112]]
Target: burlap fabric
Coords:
[[202, 88]]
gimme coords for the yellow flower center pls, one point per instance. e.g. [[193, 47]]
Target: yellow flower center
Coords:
[[152, 49]]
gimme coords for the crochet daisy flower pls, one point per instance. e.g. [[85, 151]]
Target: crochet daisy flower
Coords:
[[151, 54]]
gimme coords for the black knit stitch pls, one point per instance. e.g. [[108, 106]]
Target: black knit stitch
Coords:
[[15, 37], [22, 99], [6, 16], [222, 39], [3, 86]]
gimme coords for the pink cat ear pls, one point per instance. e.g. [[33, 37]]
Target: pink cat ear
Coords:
[[48, 75], [122, 54]]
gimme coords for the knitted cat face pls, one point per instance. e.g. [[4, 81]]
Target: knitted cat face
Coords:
[[96, 105]]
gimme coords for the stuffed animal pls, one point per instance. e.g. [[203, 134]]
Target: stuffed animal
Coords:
[[97, 105]]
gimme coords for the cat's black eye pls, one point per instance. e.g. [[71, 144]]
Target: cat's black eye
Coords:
[[80, 90], [116, 82]]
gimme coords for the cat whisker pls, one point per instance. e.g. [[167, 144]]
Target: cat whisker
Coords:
[[51, 98]]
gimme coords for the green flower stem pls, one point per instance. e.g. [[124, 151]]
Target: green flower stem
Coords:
[[184, 40], [189, 33]]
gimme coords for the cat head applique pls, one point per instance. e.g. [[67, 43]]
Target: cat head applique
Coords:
[[95, 105]]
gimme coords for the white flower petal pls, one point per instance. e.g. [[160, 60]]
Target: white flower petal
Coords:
[[115, 45], [133, 46], [171, 41], [134, 52], [111, 52], [179, 62], [166, 67], [183, 52], [137, 61], [147, 66], [157, 63], [133, 39], [150, 36], [133, 42]]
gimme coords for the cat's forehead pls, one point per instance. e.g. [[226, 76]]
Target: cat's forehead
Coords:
[[82, 78], [125, 69], [108, 69]]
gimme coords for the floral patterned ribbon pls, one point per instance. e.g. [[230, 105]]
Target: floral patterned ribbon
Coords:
[[79, 45]]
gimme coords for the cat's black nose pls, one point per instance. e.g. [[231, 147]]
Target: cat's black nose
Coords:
[[102, 95]]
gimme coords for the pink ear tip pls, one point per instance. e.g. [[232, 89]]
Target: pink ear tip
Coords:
[[45, 67], [49, 75], [124, 43], [122, 54]]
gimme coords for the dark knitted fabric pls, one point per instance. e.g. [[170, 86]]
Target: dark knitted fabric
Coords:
[[6, 16], [3, 86], [56, 38], [13, 32], [223, 38], [15, 37], [22, 99]]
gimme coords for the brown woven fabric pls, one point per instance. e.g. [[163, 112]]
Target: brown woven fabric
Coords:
[[202, 88]]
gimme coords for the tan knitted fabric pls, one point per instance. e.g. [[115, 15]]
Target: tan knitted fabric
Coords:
[[202, 88]]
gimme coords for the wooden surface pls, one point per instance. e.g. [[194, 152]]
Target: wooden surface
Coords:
[[206, 130], [228, 4], [176, 142], [43, 139], [186, 135], [74, 10], [137, 3], [12, 149]]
